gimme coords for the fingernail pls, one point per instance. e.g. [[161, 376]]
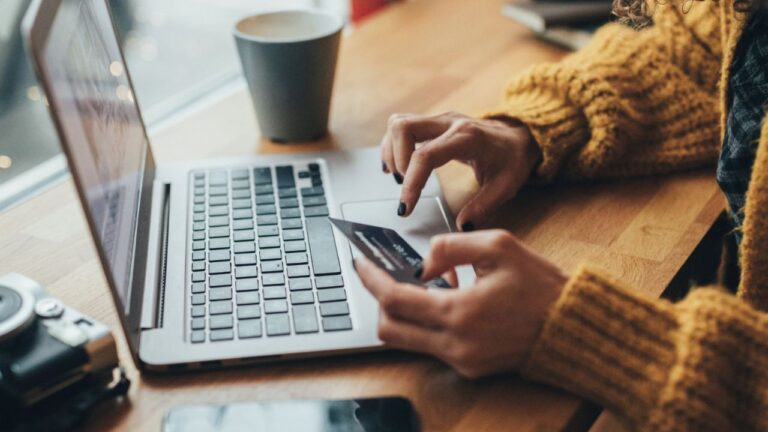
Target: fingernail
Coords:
[[398, 178], [384, 166], [468, 226], [401, 209], [419, 272]]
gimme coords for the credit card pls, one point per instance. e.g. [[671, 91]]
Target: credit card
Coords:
[[388, 250]]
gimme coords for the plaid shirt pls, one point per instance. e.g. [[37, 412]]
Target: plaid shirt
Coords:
[[748, 98]]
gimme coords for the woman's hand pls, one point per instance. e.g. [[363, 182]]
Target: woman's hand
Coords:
[[502, 153], [487, 328]]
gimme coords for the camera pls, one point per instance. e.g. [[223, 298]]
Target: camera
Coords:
[[51, 356]]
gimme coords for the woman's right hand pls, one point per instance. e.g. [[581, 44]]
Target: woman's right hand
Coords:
[[502, 154]]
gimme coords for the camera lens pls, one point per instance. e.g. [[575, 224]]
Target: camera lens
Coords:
[[10, 303]]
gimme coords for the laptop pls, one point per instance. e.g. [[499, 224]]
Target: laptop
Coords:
[[215, 262]]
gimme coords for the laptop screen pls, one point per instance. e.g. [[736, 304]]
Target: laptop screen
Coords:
[[99, 119]]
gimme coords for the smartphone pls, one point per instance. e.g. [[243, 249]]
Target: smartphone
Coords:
[[386, 414]]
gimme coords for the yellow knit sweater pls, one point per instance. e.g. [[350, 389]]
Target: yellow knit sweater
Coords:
[[638, 103]]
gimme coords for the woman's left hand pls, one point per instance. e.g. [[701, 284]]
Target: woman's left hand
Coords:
[[479, 330]]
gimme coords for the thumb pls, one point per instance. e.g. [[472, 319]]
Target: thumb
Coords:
[[490, 196]]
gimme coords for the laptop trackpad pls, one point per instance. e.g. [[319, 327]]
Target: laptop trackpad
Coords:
[[427, 220]]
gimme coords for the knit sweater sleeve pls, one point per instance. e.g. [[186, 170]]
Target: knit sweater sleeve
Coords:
[[630, 103], [700, 364]]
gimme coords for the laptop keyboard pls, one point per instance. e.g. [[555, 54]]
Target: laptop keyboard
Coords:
[[263, 260]]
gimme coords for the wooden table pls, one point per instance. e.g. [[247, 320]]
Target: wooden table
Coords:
[[416, 56]]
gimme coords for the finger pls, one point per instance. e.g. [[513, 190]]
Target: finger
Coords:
[[427, 158], [450, 250], [407, 130], [408, 336], [451, 277], [387, 160], [406, 302], [488, 198]]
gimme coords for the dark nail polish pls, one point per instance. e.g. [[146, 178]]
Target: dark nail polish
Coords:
[[419, 272], [468, 226], [398, 178], [401, 209], [384, 167]]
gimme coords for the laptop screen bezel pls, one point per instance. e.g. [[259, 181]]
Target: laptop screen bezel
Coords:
[[36, 28]]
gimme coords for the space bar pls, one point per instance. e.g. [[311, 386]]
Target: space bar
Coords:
[[322, 246]]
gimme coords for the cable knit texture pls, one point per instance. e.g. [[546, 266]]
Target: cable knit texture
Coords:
[[639, 103]]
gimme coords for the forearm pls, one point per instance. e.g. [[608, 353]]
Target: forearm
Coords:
[[700, 364]]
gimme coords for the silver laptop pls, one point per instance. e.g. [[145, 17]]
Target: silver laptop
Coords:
[[216, 262]]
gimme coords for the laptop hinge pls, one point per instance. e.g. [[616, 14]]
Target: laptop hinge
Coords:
[[154, 297]]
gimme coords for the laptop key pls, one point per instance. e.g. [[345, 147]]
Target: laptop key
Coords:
[[241, 204], [298, 271], [220, 267], [251, 284], [287, 192], [262, 176], [269, 242], [198, 323], [217, 178], [247, 298], [240, 184], [274, 292], [198, 277], [198, 217], [291, 223], [300, 284], [218, 221], [218, 200], [246, 272], [334, 309], [290, 213], [218, 255], [312, 191], [293, 234], [314, 167], [268, 231], [241, 194], [220, 307], [325, 260], [333, 294], [218, 232], [220, 322], [198, 299], [265, 199], [270, 254], [242, 214], [218, 243], [284, 176], [245, 259], [240, 174], [244, 235], [289, 202], [296, 258], [266, 220], [329, 281], [223, 334], [198, 245], [218, 211], [248, 312], [275, 306], [318, 211], [263, 190], [272, 279], [278, 325], [198, 256], [198, 226], [272, 266], [312, 201], [302, 297], [197, 336], [217, 191], [294, 246], [198, 266], [337, 323], [220, 294], [317, 181], [245, 247], [266, 209], [199, 199], [199, 191], [198, 311], [305, 319], [304, 174], [198, 288], [242, 224], [249, 329], [220, 280], [198, 208]]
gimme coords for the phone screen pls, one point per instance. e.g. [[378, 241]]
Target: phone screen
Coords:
[[389, 414]]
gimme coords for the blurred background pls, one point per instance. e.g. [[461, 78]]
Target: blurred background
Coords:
[[178, 51]]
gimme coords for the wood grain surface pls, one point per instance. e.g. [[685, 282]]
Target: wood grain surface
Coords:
[[416, 56]]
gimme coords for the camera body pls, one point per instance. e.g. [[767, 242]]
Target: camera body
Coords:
[[46, 348]]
